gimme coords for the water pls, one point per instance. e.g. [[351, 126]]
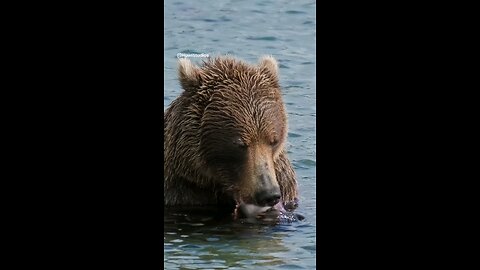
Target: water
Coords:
[[247, 30]]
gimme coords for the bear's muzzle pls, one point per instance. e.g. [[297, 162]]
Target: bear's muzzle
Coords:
[[268, 192]]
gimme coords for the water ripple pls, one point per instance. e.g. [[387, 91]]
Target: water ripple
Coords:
[[268, 38], [295, 12]]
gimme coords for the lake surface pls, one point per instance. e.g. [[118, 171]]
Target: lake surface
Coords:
[[248, 30]]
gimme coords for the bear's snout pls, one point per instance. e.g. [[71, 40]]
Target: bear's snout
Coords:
[[268, 193]]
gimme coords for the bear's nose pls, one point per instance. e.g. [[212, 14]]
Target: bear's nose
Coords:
[[270, 197]]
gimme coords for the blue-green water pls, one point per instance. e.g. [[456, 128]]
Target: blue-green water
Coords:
[[247, 30]]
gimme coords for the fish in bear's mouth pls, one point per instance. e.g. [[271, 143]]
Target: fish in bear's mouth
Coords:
[[252, 212]]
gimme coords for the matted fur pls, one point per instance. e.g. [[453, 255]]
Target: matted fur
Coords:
[[227, 125]]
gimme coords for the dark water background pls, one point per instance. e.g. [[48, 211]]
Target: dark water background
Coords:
[[247, 30]]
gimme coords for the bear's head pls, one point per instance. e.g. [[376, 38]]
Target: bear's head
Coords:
[[237, 130]]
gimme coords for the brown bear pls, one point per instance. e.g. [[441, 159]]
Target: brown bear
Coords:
[[224, 137]]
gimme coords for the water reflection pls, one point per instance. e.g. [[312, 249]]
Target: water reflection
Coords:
[[214, 241]]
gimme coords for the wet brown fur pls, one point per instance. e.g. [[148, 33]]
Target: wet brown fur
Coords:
[[227, 126]]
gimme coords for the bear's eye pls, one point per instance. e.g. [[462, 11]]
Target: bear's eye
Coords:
[[240, 143], [274, 142]]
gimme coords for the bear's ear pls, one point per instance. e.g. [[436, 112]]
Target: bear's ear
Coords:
[[269, 63], [188, 74]]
